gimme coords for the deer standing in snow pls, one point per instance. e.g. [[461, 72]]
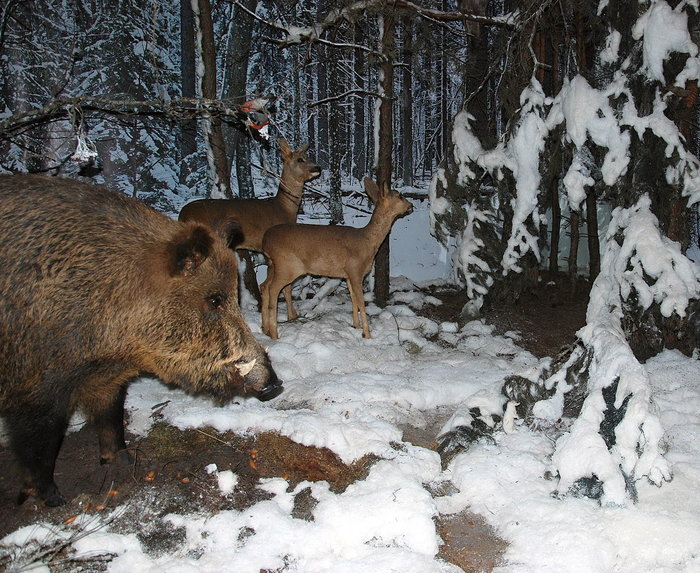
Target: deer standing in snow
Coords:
[[330, 251], [255, 216]]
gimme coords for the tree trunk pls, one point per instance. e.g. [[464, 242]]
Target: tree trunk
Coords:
[[298, 95], [593, 239], [322, 144], [556, 228], [188, 133], [386, 143], [573, 249], [216, 151], [336, 144], [444, 139], [407, 106], [235, 84]]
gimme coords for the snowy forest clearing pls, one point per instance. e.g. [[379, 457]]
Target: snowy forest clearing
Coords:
[[576, 107], [355, 396]]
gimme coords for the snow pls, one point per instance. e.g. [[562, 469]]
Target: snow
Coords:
[[591, 117], [524, 154], [664, 30], [355, 396]]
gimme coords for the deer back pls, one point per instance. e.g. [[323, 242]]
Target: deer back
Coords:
[[335, 250], [255, 216]]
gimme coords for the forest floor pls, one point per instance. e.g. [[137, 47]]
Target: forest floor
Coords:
[[168, 474]]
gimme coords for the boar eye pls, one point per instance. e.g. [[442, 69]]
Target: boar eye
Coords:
[[216, 300]]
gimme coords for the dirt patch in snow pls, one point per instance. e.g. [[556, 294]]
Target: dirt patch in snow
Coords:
[[170, 469], [544, 320], [171, 472]]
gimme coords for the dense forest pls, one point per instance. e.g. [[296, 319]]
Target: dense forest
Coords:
[[147, 97], [124, 79]]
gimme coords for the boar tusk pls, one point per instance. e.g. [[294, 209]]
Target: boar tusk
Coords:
[[246, 367]]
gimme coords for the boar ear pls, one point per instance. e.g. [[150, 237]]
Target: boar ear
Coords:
[[232, 232], [189, 250]]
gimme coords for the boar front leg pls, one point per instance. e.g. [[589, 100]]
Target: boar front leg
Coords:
[[109, 421], [36, 433], [101, 397]]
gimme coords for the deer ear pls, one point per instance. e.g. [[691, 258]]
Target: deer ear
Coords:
[[304, 148], [371, 189], [189, 249], [284, 146]]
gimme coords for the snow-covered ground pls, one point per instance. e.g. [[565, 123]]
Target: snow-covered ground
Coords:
[[354, 396]]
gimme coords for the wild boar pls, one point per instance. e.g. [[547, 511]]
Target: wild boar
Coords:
[[96, 289]]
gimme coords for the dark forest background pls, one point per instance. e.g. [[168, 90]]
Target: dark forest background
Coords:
[[147, 96]]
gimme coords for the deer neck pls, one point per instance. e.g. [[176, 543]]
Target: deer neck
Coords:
[[378, 227], [289, 195]]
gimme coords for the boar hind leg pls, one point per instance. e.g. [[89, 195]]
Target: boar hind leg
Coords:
[[36, 443]]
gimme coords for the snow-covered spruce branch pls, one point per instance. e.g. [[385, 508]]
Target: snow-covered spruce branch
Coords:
[[598, 391], [588, 115], [178, 108], [639, 263]]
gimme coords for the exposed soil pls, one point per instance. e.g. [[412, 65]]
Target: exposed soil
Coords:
[[168, 471], [545, 319]]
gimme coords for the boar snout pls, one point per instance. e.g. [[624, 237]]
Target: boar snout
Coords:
[[272, 390], [260, 379]]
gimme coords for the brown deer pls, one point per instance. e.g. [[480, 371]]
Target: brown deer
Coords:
[[330, 251], [255, 216]]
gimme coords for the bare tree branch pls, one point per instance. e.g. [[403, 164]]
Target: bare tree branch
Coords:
[[343, 96], [297, 35], [179, 108], [5, 14]]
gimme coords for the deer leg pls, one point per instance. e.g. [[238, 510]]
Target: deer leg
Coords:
[[249, 280], [358, 307], [280, 281], [270, 293], [273, 296], [355, 309], [291, 312], [265, 294]]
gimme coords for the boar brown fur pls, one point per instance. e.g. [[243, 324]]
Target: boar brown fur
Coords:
[[96, 289]]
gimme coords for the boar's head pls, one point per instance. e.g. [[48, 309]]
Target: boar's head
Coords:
[[196, 337]]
